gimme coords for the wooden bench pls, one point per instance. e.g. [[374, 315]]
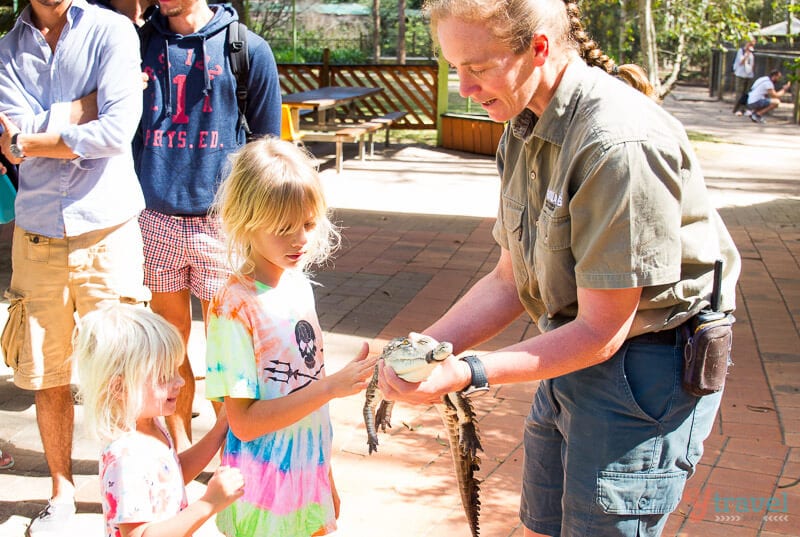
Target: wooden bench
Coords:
[[339, 136], [381, 122], [354, 133]]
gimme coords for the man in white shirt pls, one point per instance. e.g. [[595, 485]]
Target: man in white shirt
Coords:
[[763, 96]]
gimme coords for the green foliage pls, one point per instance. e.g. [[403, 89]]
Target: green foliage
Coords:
[[701, 25], [418, 37], [7, 15], [313, 54]]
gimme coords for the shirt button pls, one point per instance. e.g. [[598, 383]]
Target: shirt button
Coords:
[[643, 502], [533, 175]]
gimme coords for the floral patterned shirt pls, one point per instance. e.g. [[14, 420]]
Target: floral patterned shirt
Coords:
[[140, 481]]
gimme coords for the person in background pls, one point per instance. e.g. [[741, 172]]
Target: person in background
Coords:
[[264, 357], [763, 97], [743, 72], [608, 241], [77, 243], [128, 359], [189, 127], [136, 10]]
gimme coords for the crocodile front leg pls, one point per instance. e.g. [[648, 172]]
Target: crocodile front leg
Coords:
[[459, 421]]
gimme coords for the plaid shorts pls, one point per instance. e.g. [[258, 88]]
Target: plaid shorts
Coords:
[[183, 252]]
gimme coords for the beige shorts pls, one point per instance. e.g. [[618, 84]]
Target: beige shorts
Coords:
[[52, 280]]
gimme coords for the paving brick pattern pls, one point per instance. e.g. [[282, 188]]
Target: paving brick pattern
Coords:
[[398, 271]]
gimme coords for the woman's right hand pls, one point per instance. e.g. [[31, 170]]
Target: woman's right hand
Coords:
[[224, 487]]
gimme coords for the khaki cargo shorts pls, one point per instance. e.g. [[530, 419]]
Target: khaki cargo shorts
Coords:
[[52, 281]]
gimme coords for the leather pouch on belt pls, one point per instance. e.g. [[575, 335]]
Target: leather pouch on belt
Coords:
[[707, 353]]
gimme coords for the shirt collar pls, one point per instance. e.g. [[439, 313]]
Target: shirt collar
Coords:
[[73, 13], [553, 123]]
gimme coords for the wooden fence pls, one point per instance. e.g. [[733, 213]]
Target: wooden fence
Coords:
[[412, 87]]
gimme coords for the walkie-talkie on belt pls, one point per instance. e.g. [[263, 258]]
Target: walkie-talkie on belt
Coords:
[[707, 352]]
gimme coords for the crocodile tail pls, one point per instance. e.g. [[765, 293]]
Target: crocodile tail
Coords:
[[466, 461]]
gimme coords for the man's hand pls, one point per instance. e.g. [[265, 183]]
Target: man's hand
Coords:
[[9, 130]]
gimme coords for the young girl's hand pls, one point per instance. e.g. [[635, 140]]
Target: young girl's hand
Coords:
[[354, 377], [224, 487]]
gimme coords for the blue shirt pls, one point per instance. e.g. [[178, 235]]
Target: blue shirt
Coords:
[[98, 50]]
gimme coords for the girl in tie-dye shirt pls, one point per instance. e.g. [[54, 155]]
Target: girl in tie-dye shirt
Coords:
[[264, 352]]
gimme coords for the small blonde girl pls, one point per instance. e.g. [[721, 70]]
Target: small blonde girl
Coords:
[[264, 345], [128, 359]]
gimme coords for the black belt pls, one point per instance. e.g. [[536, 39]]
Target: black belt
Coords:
[[202, 215], [671, 336]]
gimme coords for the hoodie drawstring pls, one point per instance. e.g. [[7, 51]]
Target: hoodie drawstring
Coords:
[[206, 75], [167, 90]]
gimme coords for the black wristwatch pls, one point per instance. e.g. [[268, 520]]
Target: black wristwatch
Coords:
[[16, 149], [479, 384]]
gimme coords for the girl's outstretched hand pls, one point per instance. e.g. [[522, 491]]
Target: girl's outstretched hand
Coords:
[[355, 376], [224, 487]]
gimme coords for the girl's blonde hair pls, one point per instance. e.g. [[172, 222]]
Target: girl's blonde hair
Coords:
[[514, 23], [273, 187], [119, 349]]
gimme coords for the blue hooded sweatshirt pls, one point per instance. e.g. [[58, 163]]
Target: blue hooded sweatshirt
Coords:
[[190, 116]]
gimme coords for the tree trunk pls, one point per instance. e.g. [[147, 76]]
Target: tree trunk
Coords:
[[647, 35], [401, 32], [623, 24], [376, 29], [679, 28], [242, 8]]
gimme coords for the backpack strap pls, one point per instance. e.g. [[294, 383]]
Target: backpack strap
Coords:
[[239, 60]]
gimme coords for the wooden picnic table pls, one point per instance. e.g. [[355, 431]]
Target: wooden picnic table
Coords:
[[326, 98]]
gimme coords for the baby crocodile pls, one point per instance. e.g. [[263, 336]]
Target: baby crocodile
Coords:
[[413, 358]]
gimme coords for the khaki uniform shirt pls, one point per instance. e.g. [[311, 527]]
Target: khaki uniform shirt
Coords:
[[605, 192]]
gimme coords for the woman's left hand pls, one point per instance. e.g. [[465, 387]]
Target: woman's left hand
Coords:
[[451, 375]]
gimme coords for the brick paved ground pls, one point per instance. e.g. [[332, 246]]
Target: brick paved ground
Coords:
[[417, 233]]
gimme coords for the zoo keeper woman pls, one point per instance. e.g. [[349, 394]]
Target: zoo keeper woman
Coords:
[[608, 241]]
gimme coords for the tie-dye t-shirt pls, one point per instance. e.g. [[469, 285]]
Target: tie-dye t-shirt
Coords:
[[265, 343], [140, 481]]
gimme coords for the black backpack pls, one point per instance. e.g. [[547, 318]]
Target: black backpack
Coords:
[[238, 58]]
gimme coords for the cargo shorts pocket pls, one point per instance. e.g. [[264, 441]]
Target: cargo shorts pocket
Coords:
[[640, 493], [13, 335]]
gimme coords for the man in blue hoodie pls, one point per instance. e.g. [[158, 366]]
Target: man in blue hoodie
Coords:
[[190, 124]]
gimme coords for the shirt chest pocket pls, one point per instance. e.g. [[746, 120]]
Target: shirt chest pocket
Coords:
[[554, 262], [518, 240]]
